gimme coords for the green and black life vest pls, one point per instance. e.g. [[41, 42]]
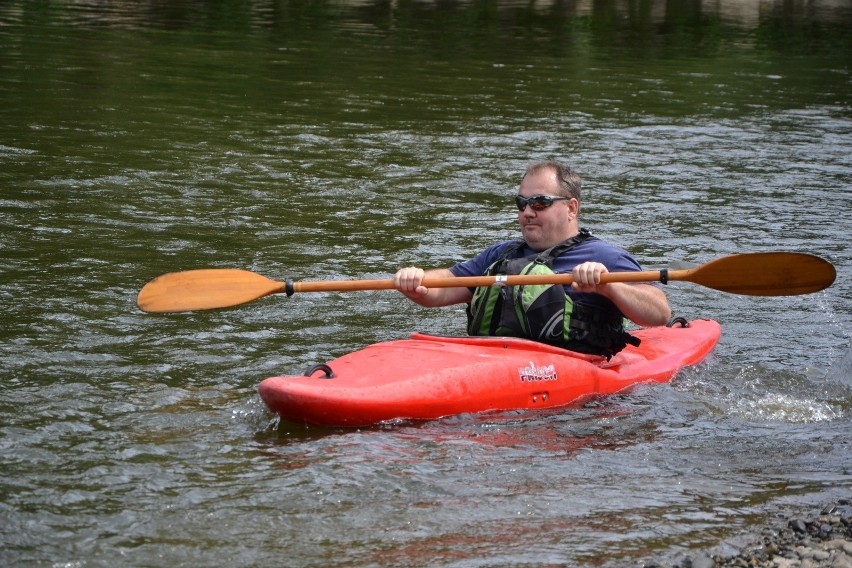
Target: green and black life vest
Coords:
[[545, 312]]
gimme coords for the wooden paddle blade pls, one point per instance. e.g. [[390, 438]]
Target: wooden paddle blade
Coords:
[[763, 274], [204, 289]]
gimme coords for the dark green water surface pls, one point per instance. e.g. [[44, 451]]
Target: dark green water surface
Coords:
[[332, 140]]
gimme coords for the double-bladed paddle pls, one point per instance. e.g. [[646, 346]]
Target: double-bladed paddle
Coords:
[[751, 274]]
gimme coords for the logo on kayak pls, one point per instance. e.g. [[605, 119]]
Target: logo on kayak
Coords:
[[532, 373]]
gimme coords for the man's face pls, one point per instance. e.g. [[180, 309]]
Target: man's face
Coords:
[[550, 226]]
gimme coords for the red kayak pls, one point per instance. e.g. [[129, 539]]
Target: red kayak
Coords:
[[428, 377]]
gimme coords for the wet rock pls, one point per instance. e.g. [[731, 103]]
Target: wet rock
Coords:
[[702, 560], [821, 541]]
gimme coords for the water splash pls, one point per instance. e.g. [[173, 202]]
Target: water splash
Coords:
[[784, 408], [841, 370]]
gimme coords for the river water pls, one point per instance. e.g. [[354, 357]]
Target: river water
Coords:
[[332, 140]]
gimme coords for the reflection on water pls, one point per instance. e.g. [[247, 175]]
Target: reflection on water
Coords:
[[341, 140], [383, 15]]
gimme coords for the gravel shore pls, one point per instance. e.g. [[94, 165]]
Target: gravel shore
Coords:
[[823, 539]]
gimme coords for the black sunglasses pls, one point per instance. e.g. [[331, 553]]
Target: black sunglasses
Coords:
[[536, 202]]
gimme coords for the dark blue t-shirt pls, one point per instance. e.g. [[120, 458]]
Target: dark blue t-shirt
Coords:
[[595, 250]]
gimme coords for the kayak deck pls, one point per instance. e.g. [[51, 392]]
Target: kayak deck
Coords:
[[427, 377]]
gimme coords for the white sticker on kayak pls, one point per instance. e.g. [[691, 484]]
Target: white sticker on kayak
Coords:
[[533, 373]]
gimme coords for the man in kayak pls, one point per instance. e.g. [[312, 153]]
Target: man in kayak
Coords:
[[588, 316]]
